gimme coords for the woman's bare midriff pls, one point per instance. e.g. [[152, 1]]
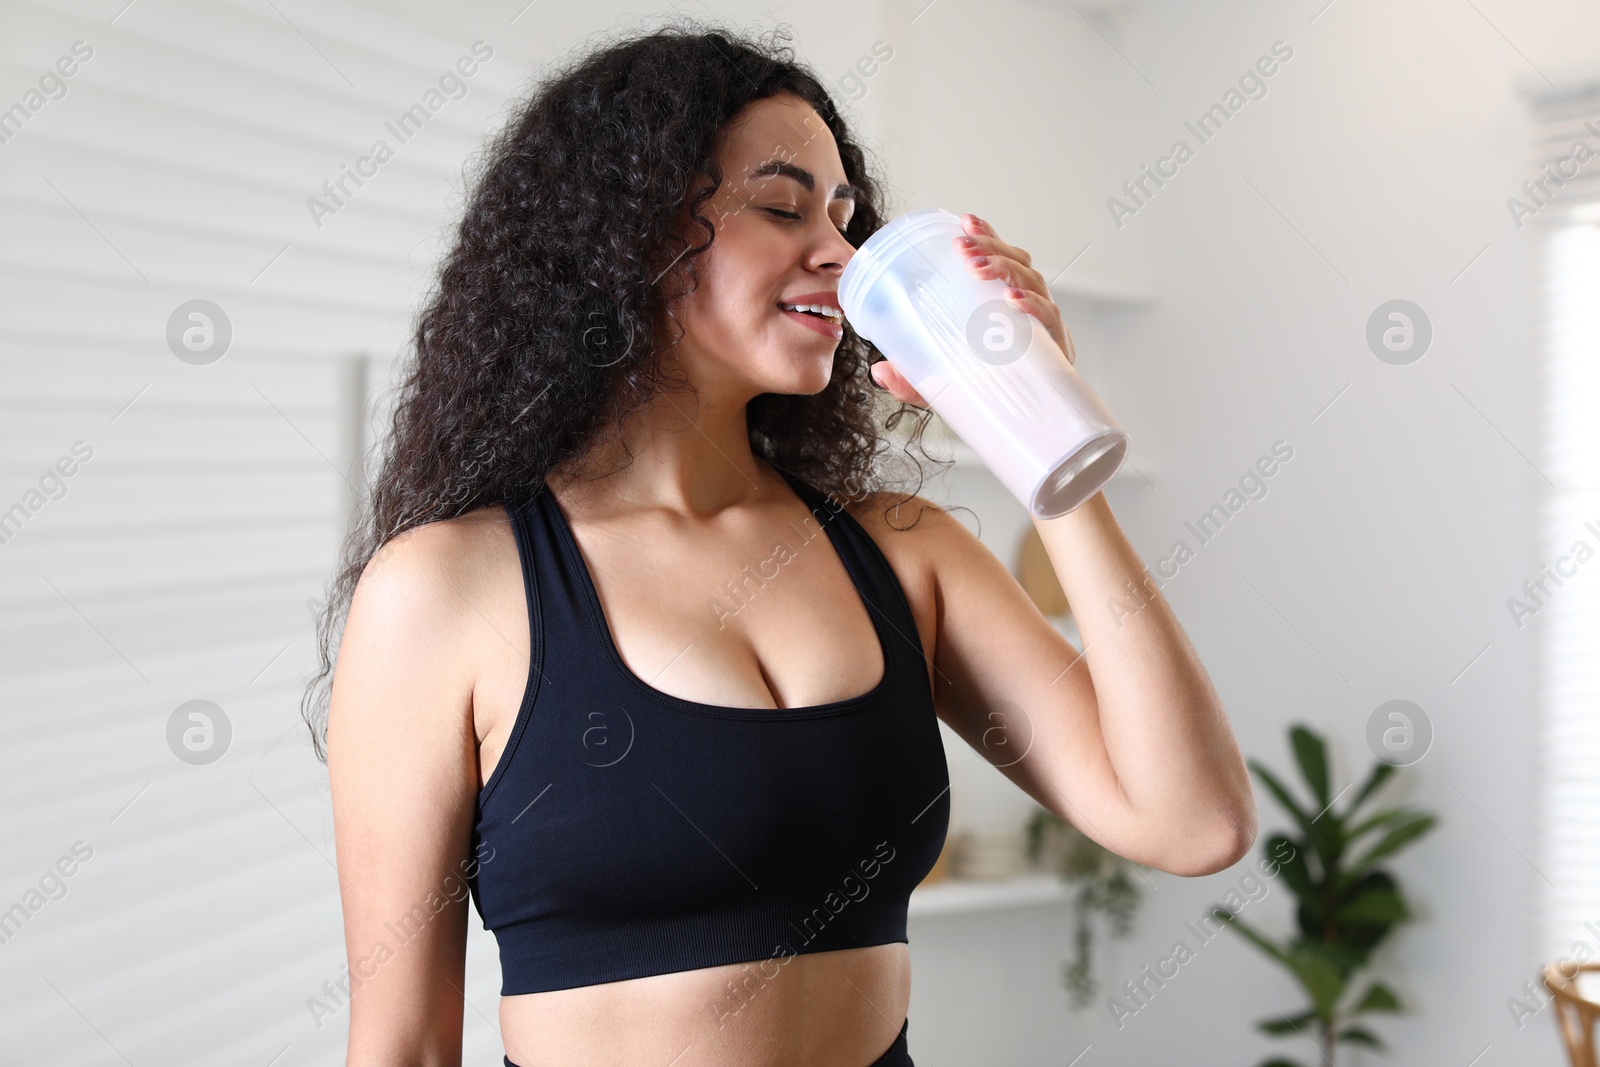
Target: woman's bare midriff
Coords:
[[821, 1009]]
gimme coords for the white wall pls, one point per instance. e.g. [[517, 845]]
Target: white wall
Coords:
[[1377, 166], [179, 562], [1407, 518]]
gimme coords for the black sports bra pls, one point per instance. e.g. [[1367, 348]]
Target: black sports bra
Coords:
[[626, 832]]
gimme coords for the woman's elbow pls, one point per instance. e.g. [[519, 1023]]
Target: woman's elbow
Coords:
[[1228, 840]]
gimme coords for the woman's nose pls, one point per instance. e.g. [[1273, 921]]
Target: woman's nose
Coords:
[[833, 252]]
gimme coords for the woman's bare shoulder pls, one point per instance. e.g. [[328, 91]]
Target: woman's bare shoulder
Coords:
[[925, 542], [427, 605], [918, 537], [435, 559], [905, 522], [423, 594]]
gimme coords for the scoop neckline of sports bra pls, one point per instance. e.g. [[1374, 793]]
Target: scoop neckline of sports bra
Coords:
[[599, 622]]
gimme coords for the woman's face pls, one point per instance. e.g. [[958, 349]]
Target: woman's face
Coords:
[[778, 215]]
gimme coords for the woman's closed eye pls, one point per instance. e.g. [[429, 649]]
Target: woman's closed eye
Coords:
[[793, 216]]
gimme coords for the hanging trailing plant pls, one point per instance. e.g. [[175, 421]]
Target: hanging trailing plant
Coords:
[[1103, 884]]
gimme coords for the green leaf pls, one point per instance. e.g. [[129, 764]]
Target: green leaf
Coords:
[[1321, 969], [1409, 830], [1375, 906], [1282, 1026], [1312, 756], [1358, 934], [1360, 1035], [1296, 875], [1381, 819], [1251, 935], [1378, 997], [1282, 794], [1321, 972], [1340, 959], [1381, 772]]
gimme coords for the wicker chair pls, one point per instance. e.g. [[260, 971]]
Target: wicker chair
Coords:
[[1575, 1014]]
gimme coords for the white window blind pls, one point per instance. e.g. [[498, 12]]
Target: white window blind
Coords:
[[1565, 232], [194, 912]]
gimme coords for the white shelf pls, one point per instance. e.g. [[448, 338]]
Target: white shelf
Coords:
[[955, 896]]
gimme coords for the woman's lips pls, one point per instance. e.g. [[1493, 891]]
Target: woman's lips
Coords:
[[814, 322]]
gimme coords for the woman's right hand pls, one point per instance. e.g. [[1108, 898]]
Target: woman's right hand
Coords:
[[886, 377]]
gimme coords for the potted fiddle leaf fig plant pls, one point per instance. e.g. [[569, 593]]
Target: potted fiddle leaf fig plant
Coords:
[[1347, 904], [1103, 883]]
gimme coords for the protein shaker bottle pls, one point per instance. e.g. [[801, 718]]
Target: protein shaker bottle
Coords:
[[990, 370]]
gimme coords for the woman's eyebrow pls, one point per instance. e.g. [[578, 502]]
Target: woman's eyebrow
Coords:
[[774, 168]]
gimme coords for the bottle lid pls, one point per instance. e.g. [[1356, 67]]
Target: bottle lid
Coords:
[[869, 262]]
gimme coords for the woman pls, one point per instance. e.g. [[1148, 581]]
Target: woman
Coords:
[[635, 651]]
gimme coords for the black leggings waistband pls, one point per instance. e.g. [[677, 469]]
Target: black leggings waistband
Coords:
[[897, 1055]]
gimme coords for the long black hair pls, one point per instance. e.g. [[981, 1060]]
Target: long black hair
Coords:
[[542, 333]]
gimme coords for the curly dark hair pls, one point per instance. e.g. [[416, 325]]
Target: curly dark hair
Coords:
[[542, 333]]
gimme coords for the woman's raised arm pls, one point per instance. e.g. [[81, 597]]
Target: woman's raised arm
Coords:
[[1129, 741]]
